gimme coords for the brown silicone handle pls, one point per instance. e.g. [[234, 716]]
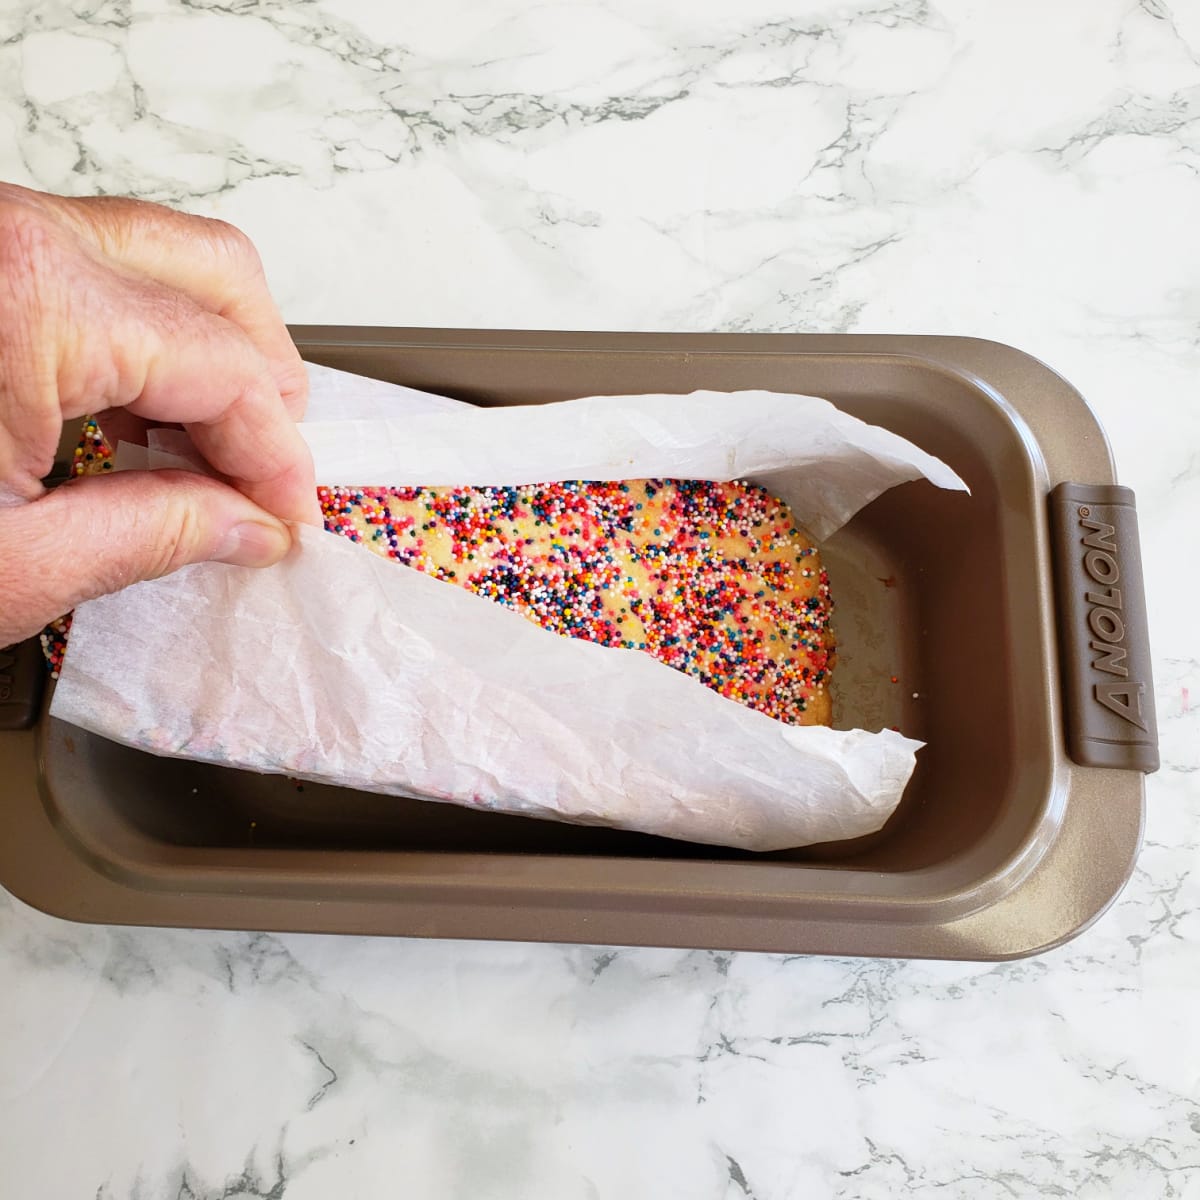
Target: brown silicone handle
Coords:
[[1104, 642], [22, 680]]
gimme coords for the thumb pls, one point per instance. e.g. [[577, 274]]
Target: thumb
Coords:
[[97, 535]]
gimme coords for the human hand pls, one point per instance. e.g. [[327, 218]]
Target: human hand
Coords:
[[116, 305]]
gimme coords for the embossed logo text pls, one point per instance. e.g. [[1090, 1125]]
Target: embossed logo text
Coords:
[[1121, 695]]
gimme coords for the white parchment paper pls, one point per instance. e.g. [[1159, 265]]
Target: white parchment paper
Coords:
[[340, 666]]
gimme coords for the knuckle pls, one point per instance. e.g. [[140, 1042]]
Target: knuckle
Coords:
[[33, 293], [109, 218], [292, 382], [150, 530], [114, 223], [15, 622], [30, 244], [174, 537], [27, 558], [233, 242], [119, 221]]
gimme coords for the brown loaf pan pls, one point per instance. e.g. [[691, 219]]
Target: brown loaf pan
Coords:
[[1012, 619]]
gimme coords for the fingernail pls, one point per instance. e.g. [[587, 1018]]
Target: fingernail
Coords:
[[253, 544]]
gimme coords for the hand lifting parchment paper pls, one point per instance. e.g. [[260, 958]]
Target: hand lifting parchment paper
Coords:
[[340, 666]]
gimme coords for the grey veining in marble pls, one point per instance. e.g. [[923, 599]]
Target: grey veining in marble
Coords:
[[1026, 172]]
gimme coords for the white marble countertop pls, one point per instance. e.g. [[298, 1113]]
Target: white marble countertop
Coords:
[[1025, 172]]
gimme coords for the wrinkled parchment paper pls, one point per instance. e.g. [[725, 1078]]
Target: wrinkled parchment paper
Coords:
[[343, 667]]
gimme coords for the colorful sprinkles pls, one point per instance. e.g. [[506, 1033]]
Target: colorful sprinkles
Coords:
[[54, 643], [712, 579], [93, 456]]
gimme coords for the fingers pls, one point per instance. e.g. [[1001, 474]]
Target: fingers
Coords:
[[197, 369], [139, 346], [84, 334], [209, 260], [120, 305], [93, 536]]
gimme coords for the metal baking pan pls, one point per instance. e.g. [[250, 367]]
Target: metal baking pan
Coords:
[[1019, 827]]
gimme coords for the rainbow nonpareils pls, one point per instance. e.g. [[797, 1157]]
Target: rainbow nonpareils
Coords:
[[93, 456], [712, 579]]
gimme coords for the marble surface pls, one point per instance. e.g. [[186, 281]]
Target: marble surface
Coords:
[[1027, 172]]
